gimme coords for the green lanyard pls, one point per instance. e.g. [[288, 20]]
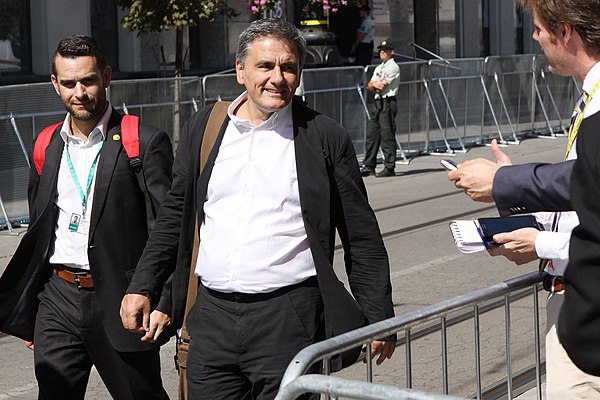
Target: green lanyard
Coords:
[[82, 194]]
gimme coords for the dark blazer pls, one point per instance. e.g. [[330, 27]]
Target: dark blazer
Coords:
[[332, 196], [533, 187], [579, 321], [118, 232]]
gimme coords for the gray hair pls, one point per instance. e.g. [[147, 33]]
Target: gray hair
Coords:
[[272, 28]]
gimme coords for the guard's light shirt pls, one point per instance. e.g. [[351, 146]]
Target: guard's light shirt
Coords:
[[252, 238], [390, 72]]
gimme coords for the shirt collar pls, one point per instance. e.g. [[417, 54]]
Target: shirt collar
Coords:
[[246, 125], [97, 134], [592, 77]]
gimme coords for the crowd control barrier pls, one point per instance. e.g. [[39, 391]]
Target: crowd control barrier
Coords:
[[425, 324], [444, 107]]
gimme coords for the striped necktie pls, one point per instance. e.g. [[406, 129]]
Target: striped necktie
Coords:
[[579, 107]]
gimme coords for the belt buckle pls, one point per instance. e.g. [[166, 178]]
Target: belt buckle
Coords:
[[76, 280], [76, 276], [553, 284]]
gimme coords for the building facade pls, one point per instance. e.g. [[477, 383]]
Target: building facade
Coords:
[[30, 30]]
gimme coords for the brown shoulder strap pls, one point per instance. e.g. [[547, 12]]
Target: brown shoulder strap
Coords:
[[215, 120]]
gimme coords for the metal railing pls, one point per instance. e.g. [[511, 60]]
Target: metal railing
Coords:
[[443, 108], [431, 320]]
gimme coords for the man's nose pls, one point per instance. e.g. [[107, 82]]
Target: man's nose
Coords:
[[80, 90], [277, 75]]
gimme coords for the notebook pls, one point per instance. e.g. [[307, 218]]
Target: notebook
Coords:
[[466, 234]]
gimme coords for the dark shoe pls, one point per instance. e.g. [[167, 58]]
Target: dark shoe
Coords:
[[386, 172], [367, 171]]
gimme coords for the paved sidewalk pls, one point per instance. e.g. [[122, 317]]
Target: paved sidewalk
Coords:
[[17, 380], [420, 193]]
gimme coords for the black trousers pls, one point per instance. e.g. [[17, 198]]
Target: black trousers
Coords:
[[69, 339], [240, 348], [381, 131]]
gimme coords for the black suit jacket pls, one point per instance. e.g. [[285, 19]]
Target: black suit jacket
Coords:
[[579, 321], [118, 232], [332, 196]]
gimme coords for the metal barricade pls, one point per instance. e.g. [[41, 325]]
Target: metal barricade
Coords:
[[510, 80], [443, 107], [220, 87], [166, 103], [419, 324], [555, 98], [24, 109], [456, 93], [412, 122]]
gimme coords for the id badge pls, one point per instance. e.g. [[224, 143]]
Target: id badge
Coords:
[[79, 224], [74, 222]]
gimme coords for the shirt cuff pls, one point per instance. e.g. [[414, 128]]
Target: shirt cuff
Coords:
[[553, 245]]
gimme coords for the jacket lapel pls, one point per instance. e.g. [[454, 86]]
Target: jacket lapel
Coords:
[[310, 167], [47, 183], [106, 166]]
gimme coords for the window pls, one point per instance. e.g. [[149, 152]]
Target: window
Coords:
[[15, 49]]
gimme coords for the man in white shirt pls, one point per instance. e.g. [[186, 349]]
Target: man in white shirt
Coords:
[[89, 222], [571, 51], [281, 179], [381, 129], [363, 44]]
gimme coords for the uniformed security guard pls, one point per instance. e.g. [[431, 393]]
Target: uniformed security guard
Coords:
[[381, 129]]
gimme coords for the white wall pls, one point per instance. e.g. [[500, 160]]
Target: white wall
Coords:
[[50, 22]]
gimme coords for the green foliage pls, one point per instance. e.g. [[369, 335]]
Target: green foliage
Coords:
[[160, 15]]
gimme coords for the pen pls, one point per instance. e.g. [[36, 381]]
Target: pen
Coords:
[[487, 247]]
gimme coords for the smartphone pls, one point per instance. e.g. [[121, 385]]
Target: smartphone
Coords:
[[491, 226], [449, 165]]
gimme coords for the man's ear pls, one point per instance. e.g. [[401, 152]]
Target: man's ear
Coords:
[[54, 80], [567, 31], [107, 75], [239, 72]]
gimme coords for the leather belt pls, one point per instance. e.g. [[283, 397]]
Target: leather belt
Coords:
[[386, 99], [80, 279], [239, 297], [553, 283]]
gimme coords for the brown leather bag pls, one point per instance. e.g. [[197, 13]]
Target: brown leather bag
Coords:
[[215, 120]]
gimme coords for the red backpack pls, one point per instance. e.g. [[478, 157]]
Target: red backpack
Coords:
[[130, 137]]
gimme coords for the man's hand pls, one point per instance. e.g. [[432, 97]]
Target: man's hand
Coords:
[[518, 246], [476, 177], [385, 349], [132, 306], [158, 322], [29, 345]]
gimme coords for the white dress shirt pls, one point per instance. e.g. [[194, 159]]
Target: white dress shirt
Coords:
[[555, 245], [71, 247], [252, 238]]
